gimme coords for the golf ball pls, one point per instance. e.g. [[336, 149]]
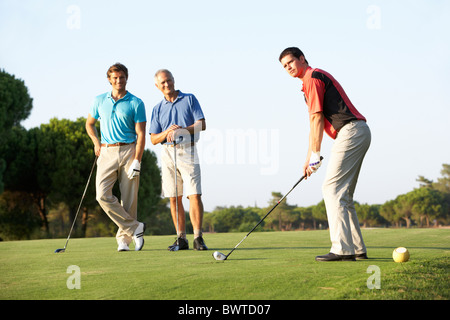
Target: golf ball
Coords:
[[400, 254], [219, 256]]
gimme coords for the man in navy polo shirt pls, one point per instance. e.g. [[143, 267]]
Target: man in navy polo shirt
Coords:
[[122, 125], [179, 117]]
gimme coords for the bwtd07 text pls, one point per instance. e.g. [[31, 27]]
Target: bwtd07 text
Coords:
[[226, 309]]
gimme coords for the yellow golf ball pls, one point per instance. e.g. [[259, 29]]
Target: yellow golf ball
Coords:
[[400, 254]]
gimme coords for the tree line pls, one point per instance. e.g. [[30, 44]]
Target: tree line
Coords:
[[425, 206], [44, 170]]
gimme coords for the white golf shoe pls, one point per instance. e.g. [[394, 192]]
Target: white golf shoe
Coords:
[[123, 246], [138, 236]]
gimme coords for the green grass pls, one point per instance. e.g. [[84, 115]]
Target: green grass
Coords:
[[266, 266]]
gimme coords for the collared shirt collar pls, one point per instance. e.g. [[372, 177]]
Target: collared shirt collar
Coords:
[[179, 97], [125, 97]]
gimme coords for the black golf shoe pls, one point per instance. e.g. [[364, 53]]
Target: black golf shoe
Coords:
[[335, 257], [361, 256], [199, 244], [182, 244]]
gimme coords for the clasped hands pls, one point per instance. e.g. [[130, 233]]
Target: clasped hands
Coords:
[[172, 132]]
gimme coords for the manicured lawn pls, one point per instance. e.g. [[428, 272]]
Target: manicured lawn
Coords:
[[266, 266]]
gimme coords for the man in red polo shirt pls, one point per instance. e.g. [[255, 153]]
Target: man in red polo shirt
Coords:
[[331, 110]]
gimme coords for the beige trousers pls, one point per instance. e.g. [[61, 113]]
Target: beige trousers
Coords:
[[347, 154], [112, 166]]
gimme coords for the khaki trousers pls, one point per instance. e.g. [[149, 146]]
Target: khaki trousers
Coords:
[[112, 166], [347, 154]]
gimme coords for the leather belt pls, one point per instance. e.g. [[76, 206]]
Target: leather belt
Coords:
[[118, 144]]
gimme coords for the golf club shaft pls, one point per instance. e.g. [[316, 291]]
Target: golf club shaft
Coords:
[[176, 184], [82, 198], [279, 201]]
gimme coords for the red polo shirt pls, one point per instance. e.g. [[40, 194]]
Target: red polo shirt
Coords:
[[324, 94]]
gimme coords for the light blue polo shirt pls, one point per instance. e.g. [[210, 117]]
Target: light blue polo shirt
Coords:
[[184, 111], [118, 118]]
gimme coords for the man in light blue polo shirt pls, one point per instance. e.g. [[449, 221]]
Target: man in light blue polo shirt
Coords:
[[179, 117], [122, 125], [118, 119]]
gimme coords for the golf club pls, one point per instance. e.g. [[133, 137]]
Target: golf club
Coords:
[[177, 247], [76, 215], [220, 256]]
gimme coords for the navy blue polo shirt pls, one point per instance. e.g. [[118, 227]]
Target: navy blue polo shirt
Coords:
[[184, 111]]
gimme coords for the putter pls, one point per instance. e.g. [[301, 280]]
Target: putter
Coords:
[[177, 247], [76, 215], [220, 256]]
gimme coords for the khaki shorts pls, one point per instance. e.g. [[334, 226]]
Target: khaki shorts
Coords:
[[188, 170]]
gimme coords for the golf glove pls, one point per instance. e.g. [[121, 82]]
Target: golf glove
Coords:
[[134, 169], [315, 161]]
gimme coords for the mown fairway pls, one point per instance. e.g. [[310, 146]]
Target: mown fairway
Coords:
[[266, 266]]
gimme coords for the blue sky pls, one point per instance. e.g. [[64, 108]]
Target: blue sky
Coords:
[[391, 57]]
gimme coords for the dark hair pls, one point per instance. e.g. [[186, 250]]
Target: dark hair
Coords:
[[116, 68], [296, 52]]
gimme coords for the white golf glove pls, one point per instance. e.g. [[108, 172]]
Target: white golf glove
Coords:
[[315, 161], [134, 169]]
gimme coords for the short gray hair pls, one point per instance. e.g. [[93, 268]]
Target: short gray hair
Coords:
[[163, 71]]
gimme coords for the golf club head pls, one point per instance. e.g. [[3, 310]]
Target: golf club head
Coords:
[[219, 256], [60, 250]]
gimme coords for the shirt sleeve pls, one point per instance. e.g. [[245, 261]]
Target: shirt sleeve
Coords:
[[140, 115], [155, 126], [315, 94], [94, 109], [196, 109]]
